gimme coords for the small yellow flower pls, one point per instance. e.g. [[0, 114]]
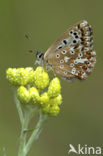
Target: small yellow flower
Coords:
[[41, 78], [52, 107], [20, 76], [56, 100], [34, 95], [30, 74], [44, 100], [23, 95], [54, 88], [54, 110], [29, 81], [46, 109], [51, 110]]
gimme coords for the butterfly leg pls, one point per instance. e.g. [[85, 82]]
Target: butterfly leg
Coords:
[[39, 62], [54, 74]]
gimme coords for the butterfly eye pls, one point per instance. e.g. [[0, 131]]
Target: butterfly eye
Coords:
[[40, 55], [57, 55]]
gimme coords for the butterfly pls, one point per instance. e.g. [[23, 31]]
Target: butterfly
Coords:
[[72, 55]]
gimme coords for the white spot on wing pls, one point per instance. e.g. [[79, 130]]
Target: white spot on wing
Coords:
[[72, 52], [61, 66], [80, 60], [64, 52], [86, 49], [80, 55], [66, 58], [71, 65], [83, 73], [71, 32], [59, 47], [61, 61], [66, 41], [57, 55], [93, 53], [65, 72], [93, 59], [84, 23], [73, 70]]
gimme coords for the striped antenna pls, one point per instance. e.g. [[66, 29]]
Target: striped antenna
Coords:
[[29, 38]]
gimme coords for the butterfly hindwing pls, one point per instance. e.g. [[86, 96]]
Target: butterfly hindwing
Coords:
[[72, 55]]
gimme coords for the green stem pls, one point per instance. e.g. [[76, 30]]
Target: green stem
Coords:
[[34, 136], [24, 146], [18, 106], [22, 139], [28, 115], [4, 152]]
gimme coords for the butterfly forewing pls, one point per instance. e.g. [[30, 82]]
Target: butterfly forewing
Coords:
[[72, 55]]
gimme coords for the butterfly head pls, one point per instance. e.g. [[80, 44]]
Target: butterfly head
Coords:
[[40, 58], [39, 55]]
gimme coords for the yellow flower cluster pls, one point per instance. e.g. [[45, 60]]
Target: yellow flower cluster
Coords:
[[30, 85]]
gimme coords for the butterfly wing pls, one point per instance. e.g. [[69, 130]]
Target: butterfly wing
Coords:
[[72, 55], [61, 42]]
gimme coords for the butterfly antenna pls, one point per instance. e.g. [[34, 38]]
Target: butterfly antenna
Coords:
[[29, 38]]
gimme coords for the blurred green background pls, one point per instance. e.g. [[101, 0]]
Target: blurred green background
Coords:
[[81, 118]]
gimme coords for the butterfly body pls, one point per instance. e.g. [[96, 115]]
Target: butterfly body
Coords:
[[72, 55]]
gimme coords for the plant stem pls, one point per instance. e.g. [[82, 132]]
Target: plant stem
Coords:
[[22, 139], [4, 152], [18, 106], [34, 136], [27, 117]]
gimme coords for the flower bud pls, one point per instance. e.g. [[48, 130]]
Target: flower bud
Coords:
[[41, 78], [34, 95], [20, 76], [54, 88], [54, 110], [56, 100], [23, 95], [44, 99]]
